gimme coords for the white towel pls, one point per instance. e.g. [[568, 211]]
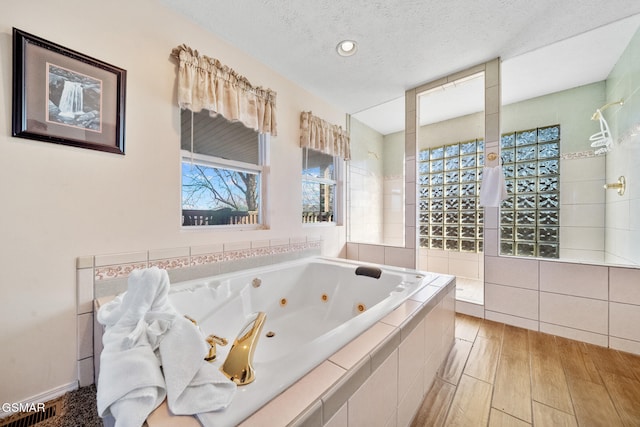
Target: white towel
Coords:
[[193, 385], [143, 330], [131, 385], [493, 189]]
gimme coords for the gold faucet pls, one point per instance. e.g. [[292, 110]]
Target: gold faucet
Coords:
[[212, 340], [238, 364]]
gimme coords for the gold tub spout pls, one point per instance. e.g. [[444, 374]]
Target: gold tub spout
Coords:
[[238, 364]]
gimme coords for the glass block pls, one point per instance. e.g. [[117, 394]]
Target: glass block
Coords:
[[424, 242], [467, 245], [468, 189], [480, 146], [526, 137], [452, 150], [437, 230], [506, 232], [550, 200], [547, 250], [549, 167], [451, 217], [437, 217], [526, 185], [548, 217], [467, 217], [468, 232], [480, 160], [436, 204], [437, 153], [546, 151], [480, 232], [424, 230], [480, 214], [547, 184], [508, 140], [468, 161], [507, 217], [423, 179], [510, 184], [526, 217], [451, 204], [423, 155], [423, 205], [508, 155], [509, 171], [424, 192], [437, 179], [452, 176], [508, 203], [452, 164], [526, 169], [423, 168], [525, 249], [548, 234], [452, 190], [468, 148], [451, 245], [480, 246], [506, 248], [468, 203], [526, 201], [551, 133], [436, 243], [451, 231], [526, 153], [468, 175], [437, 192], [423, 217], [526, 233], [437, 165]]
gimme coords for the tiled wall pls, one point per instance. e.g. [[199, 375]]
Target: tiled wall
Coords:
[[98, 276], [393, 223], [593, 303], [461, 264]]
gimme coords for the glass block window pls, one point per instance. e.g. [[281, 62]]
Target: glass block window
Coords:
[[449, 182], [530, 217]]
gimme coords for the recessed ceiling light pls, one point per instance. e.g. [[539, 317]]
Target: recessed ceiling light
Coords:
[[346, 48]]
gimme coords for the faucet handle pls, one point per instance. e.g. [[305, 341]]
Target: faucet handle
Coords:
[[212, 340]]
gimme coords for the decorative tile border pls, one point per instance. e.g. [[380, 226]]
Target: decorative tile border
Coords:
[[578, 155]]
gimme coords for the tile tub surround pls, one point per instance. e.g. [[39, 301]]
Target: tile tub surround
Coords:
[[104, 275], [380, 378]]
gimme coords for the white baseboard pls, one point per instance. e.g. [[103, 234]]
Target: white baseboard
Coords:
[[44, 397]]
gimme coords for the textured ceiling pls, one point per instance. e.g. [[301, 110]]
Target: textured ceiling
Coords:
[[401, 43]]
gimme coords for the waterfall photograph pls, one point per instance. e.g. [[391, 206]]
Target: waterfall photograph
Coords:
[[74, 99]]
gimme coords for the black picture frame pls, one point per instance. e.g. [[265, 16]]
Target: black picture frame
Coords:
[[66, 97]]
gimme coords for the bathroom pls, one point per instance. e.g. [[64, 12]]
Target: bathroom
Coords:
[[72, 202]]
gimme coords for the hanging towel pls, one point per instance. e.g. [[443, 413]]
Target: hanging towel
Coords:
[[493, 189], [130, 384]]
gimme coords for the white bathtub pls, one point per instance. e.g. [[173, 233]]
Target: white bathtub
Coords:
[[313, 306]]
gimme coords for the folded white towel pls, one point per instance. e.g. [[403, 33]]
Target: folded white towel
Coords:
[[493, 189], [130, 384], [143, 331], [193, 385]]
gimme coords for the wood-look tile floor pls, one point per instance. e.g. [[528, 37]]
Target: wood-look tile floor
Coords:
[[501, 375]]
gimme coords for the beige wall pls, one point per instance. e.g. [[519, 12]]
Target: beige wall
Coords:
[[62, 202]]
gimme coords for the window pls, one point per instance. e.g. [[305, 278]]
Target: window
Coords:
[[448, 199], [222, 171], [319, 186], [530, 217], [450, 217]]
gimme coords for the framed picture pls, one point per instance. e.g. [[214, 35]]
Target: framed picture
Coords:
[[65, 97]]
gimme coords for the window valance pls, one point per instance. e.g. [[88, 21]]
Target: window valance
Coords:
[[320, 135], [205, 83]]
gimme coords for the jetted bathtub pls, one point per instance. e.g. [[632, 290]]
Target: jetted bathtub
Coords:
[[313, 308]]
